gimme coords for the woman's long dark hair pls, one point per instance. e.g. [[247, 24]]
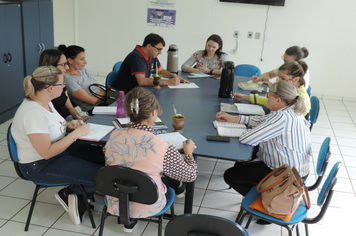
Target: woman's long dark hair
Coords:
[[216, 38]]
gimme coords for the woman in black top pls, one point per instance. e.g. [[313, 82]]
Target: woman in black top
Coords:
[[53, 57]]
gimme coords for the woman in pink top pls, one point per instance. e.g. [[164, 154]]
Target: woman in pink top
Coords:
[[139, 148]]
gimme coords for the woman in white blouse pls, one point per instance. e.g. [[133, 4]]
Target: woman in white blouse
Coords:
[[210, 60], [282, 137]]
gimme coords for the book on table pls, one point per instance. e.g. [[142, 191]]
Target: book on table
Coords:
[[242, 108], [97, 132], [250, 86], [158, 126], [104, 110], [227, 129]]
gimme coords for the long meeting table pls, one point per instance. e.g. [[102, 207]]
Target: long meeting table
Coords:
[[199, 106]]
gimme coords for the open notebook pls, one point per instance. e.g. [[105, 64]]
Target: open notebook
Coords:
[[175, 138], [97, 132], [227, 129]]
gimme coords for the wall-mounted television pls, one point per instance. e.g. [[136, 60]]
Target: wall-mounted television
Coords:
[[261, 2]]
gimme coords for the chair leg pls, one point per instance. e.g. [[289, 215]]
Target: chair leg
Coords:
[[172, 212], [239, 215], [249, 221], [297, 229], [32, 207], [306, 229], [103, 217], [87, 206], [160, 225]]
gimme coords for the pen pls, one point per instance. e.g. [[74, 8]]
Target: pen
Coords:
[[77, 116], [256, 72], [79, 122]]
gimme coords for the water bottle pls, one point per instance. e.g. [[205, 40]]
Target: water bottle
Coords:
[[120, 103], [227, 79]]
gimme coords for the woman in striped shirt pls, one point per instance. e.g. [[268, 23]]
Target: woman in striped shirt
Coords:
[[282, 137]]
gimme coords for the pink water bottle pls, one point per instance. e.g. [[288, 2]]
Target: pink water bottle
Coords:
[[120, 103]]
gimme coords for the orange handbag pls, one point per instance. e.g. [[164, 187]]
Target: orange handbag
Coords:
[[282, 191]]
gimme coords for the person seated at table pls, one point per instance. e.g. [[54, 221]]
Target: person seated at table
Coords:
[[292, 72], [46, 154], [210, 60], [282, 137], [160, 160], [294, 53], [136, 69], [78, 79], [63, 105]]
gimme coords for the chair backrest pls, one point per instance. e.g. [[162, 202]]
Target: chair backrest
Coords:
[[247, 70], [13, 152], [314, 111], [203, 225], [322, 163], [111, 77], [309, 90], [329, 184], [117, 66]]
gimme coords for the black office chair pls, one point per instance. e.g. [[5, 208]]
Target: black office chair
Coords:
[[203, 225], [129, 185], [300, 214], [13, 154]]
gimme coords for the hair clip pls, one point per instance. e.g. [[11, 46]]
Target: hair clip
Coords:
[[136, 106]]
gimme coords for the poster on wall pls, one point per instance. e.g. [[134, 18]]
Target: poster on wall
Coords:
[[161, 3], [161, 17]]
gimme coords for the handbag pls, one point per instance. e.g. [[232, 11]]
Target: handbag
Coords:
[[282, 191], [111, 94]]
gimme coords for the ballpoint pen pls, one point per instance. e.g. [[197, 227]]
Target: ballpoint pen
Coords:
[[77, 116]]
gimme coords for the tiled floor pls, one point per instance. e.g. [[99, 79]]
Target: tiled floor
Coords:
[[337, 120]]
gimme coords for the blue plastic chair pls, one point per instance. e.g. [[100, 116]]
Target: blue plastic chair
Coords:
[[247, 70], [309, 90], [300, 214], [322, 163], [111, 77], [13, 154], [314, 111], [200, 224], [117, 66], [130, 185]]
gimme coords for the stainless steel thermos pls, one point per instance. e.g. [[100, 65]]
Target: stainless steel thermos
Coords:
[[172, 59], [227, 79]]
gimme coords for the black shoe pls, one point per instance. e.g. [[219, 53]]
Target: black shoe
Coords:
[[180, 191], [76, 207], [62, 199], [130, 228], [263, 222]]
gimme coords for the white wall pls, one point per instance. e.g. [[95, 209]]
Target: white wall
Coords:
[[110, 29]]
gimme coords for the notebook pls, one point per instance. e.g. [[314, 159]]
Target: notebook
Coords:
[[104, 110], [250, 86], [227, 129], [97, 132], [175, 138], [249, 109]]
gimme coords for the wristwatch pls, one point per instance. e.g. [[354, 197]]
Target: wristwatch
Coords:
[[173, 75], [211, 71]]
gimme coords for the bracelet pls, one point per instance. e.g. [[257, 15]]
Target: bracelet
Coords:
[[173, 75], [73, 138]]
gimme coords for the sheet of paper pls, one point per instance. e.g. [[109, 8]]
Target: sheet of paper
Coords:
[[249, 109], [102, 110], [259, 82], [175, 138], [200, 74], [181, 85], [97, 132], [228, 132], [228, 125]]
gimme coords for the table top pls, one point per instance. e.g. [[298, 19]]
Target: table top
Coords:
[[199, 106]]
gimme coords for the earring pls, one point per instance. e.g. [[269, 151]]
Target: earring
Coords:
[[275, 106]]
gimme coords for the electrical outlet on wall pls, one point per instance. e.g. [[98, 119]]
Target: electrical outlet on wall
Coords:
[[257, 35], [236, 34], [249, 35]]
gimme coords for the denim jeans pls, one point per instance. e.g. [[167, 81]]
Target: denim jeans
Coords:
[[76, 165]]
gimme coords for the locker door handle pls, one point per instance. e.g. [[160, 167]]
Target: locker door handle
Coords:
[[40, 48], [43, 47], [5, 58], [10, 57]]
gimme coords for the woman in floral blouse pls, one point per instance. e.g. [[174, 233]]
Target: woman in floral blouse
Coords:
[[139, 148], [210, 60]]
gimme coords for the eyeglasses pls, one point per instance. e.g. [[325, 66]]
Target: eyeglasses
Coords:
[[63, 85], [283, 59], [64, 64], [269, 94], [158, 49]]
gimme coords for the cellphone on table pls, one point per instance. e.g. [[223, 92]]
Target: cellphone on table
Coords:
[[217, 138]]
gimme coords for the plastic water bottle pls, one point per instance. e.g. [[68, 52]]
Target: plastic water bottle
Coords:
[[120, 103]]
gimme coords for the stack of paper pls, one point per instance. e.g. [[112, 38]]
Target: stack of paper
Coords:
[[250, 86], [249, 109], [97, 132], [102, 110], [227, 129]]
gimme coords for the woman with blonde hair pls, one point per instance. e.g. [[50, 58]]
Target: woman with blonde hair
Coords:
[[46, 154], [139, 148], [282, 137]]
